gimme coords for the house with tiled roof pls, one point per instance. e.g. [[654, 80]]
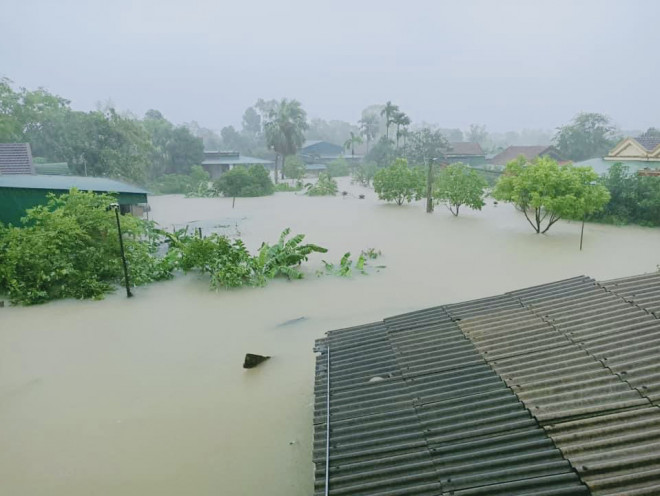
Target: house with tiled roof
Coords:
[[529, 152], [466, 153], [645, 147], [16, 158]]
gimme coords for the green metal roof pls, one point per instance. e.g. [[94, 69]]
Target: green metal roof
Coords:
[[65, 183]]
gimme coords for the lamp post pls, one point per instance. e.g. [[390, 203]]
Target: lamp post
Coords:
[[115, 207]]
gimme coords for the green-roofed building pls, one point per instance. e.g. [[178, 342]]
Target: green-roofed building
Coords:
[[216, 162], [20, 192]]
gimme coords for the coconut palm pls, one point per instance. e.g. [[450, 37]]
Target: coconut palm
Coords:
[[402, 121], [369, 127], [285, 129], [388, 111], [350, 143]]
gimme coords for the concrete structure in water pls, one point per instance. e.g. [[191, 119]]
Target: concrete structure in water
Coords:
[[20, 192]]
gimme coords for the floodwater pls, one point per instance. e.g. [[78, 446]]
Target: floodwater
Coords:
[[148, 396]]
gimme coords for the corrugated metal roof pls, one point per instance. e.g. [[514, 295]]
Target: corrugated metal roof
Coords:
[[471, 391], [234, 160], [65, 183], [416, 410], [16, 158]]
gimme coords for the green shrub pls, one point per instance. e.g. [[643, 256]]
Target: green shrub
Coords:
[[325, 186], [399, 182], [288, 187], [171, 184], [294, 168], [241, 181], [338, 168], [364, 173], [69, 248]]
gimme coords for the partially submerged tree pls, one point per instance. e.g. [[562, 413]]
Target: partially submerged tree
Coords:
[[285, 128], [399, 182], [294, 168], [325, 186], [241, 181], [427, 148], [459, 185], [546, 192]]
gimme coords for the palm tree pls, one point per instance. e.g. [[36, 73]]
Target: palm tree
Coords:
[[388, 111], [351, 142], [401, 120], [285, 128], [369, 127]]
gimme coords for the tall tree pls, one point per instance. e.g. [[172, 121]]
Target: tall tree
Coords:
[[369, 127], [401, 120], [389, 111], [427, 147], [459, 185], [350, 143], [477, 134], [285, 128], [589, 135]]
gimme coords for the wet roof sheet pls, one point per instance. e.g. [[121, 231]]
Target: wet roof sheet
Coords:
[[16, 158], [65, 183], [460, 399]]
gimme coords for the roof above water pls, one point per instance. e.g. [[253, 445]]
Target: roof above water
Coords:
[[520, 393], [65, 183], [16, 158], [648, 141], [465, 148], [235, 160], [529, 152]]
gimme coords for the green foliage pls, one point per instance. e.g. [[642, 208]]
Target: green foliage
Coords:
[[325, 186], [241, 181], [285, 128], [545, 191], [364, 173], [338, 168], [170, 184], [382, 153], [230, 264], [69, 249], [588, 135], [458, 185], [346, 266], [286, 187], [425, 146], [294, 168], [399, 183], [634, 198]]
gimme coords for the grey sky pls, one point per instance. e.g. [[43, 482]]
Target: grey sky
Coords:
[[506, 64]]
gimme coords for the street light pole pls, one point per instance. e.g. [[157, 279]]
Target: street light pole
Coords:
[[582, 233], [115, 207]]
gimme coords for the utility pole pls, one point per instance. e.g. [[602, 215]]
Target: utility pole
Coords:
[[115, 207]]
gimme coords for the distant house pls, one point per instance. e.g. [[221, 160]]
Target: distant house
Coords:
[[640, 154], [320, 152], [642, 148], [16, 158], [216, 162], [465, 152], [19, 192], [529, 152]]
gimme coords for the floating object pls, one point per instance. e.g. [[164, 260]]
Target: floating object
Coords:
[[292, 321], [361, 197], [252, 360]]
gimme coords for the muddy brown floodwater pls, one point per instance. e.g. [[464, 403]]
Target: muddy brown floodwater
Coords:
[[147, 396]]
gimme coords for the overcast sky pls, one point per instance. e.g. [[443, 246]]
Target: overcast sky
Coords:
[[506, 64]]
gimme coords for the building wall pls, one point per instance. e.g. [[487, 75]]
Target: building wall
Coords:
[[14, 202]]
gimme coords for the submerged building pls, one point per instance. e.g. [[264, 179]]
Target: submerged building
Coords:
[[217, 162], [20, 192]]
